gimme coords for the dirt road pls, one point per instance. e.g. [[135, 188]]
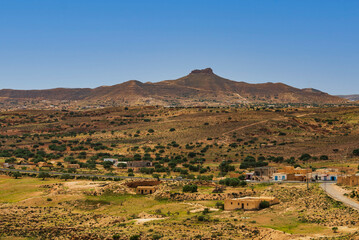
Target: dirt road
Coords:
[[337, 193]]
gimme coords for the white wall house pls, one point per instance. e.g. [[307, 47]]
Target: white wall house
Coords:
[[279, 177]]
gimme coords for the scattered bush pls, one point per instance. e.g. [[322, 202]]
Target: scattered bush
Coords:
[[264, 204], [190, 188]]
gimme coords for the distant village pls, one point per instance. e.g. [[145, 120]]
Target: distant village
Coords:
[[265, 174]]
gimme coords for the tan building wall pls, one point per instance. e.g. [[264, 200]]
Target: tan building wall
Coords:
[[296, 177], [247, 203], [292, 170], [139, 164], [348, 180], [264, 171], [145, 189]]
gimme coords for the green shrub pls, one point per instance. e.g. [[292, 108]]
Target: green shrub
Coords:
[[305, 157], [263, 204], [220, 205], [134, 237], [324, 157], [190, 188], [233, 182]]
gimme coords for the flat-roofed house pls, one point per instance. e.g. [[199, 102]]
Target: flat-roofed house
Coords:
[[248, 203], [264, 173], [296, 177], [279, 177], [145, 189], [349, 180], [139, 164]]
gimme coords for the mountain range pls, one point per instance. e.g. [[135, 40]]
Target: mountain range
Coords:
[[199, 88], [353, 97]]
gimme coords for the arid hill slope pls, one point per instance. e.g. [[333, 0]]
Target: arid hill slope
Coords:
[[200, 87]]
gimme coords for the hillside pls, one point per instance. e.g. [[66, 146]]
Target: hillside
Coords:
[[199, 88]]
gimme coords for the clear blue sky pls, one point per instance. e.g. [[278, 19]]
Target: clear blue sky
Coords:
[[89, 43]]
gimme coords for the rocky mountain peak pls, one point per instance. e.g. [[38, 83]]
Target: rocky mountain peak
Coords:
[[206, 70]]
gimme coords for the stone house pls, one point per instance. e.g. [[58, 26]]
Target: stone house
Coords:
[[279, 177], [349, 180], [248, 203], [264, 173], [139, 164], [297, 170], [145, 190], [296, 177]]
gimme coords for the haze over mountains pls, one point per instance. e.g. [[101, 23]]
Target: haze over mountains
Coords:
[[199, 88], [353, 97]]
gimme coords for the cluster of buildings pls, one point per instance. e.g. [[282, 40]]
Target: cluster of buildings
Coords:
[[289, 173]]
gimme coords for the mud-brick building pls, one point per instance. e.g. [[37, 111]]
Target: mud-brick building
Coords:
[[139, 164], [145, 190], [296, 177], [350, 180], [264, 173], [248, 203]]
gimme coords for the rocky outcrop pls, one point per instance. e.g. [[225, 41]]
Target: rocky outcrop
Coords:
[[206, 70]]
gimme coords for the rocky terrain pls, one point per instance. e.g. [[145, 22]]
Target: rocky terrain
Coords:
[[304, 214]]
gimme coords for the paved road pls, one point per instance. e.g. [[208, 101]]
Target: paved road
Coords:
[[335, 192]]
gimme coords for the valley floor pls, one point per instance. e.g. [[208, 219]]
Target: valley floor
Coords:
[[80, 209]]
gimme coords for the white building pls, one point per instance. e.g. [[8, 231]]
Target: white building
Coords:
[[279, 176]]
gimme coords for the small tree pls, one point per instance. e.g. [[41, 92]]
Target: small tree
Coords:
[[43, 175], [16, 175], [335, 229], [324, 157], [205, 211], [157, 176], [220, 205], [305, 157], [263, 204], [65, 176], [356, 152], [190, 188]]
